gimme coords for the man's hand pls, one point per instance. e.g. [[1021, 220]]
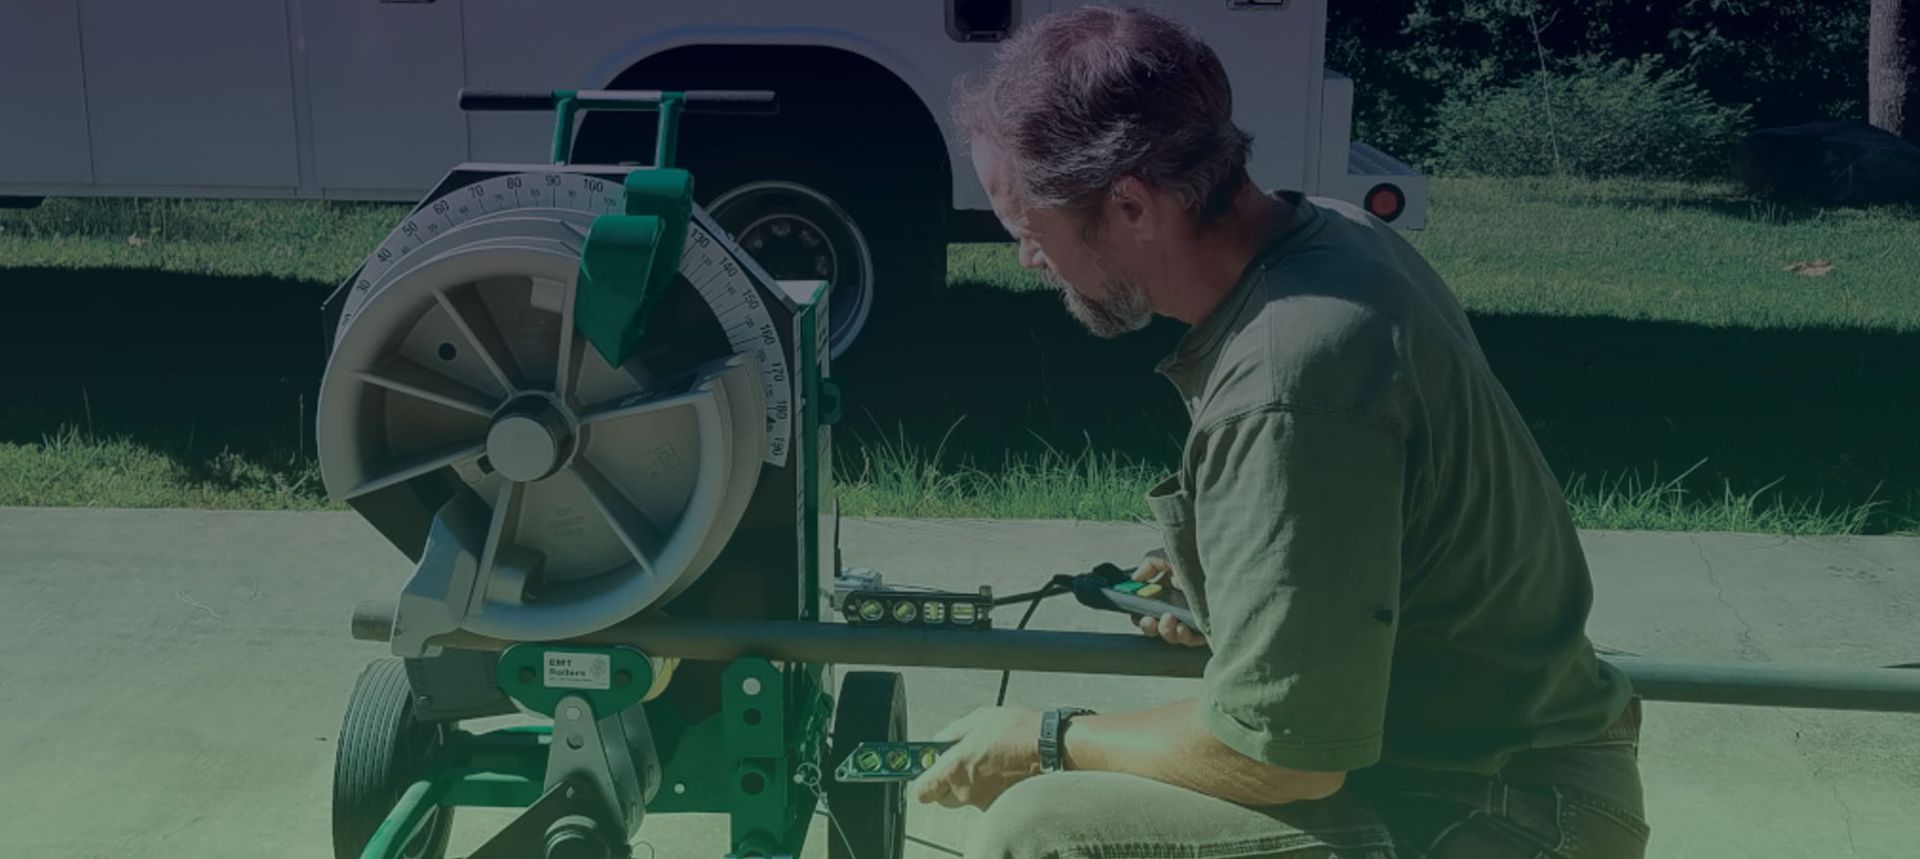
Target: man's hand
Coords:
[[996, 748], [1156, 568]]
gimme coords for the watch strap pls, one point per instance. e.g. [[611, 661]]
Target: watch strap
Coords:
[[1053, 726]]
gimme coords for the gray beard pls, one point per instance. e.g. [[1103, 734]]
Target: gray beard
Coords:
[[1125, 309]]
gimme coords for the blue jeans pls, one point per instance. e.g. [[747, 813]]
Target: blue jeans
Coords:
[[1575, 802]]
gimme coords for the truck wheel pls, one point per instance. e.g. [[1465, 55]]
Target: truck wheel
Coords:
[[382, 750], [872, 817], [816, 211]]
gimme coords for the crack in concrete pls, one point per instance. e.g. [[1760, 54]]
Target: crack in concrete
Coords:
[[1748, 650], [1814, 768], [1846, 817]]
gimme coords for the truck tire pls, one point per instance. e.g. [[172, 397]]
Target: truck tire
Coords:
[[381, 750], [810, 207]]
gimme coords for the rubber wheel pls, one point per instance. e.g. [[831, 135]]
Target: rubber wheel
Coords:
[[382, 750], [873, 817], [810, 207], [882, 183]]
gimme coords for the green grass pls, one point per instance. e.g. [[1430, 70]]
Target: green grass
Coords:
[[1672, 252], [1634, 250], [292, 240], [1627, 503], [1696, 253], [897, 477], [72, 468], [1642, 327], [891, 478]]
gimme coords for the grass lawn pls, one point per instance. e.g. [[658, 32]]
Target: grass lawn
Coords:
[[1654, 251], [1677, 374]]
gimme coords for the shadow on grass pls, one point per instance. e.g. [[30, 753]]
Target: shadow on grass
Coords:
[[210, 369], [216, 373], [1830, 415]]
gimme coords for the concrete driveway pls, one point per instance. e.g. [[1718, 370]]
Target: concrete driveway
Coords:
[[173, 680]]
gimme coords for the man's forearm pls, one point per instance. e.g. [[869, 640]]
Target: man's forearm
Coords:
[[1172, 745]]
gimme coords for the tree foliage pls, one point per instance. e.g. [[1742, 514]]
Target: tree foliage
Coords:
[[1786, 61], [1596, 120]]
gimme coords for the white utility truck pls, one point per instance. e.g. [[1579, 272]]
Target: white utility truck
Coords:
[[857, 180]]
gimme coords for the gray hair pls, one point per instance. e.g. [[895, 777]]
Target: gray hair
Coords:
[[1083, 98]]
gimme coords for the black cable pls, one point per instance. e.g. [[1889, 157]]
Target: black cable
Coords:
[[1056, 586], [1059, 584]]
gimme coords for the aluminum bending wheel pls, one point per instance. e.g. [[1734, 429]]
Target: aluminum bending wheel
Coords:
[[611, 489]]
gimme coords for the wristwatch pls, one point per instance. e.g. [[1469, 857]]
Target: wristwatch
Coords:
[[1053, 727]]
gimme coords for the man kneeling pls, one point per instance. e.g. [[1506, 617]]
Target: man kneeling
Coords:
[[1372, 544]]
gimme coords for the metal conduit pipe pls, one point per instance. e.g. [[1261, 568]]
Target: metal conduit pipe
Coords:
[[1889, 690]]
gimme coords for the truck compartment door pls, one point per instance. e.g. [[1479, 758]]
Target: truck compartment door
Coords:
[[43, 106], [384, 77], [196, 94]]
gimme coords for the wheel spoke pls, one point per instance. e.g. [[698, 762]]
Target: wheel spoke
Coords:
[[506, 518], [410, 378], [675, 397], [636, 531], [572, 346], [415, 466], [470, 315]]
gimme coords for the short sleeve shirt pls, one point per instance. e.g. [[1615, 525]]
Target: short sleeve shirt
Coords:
[[1380, 557]]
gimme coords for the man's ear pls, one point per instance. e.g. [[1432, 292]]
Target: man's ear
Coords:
[[1131, 209]]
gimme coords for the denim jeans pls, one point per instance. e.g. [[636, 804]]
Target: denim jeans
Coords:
[[1574, 802]]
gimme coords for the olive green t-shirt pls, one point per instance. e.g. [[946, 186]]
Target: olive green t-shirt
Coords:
[[1370, 539]]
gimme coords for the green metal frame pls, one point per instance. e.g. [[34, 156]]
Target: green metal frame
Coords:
[[759, 759], [524, 669], [568, 103], [819, 408], [504, 768]]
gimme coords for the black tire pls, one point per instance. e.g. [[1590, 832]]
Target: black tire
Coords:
[[881, 214], [886, 189], [383, 749], [872, 817]]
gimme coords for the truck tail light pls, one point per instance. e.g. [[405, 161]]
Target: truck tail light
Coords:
[[1386, 201]]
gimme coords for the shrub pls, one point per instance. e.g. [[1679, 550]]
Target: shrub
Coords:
[[1792, 61], [1597, 120]]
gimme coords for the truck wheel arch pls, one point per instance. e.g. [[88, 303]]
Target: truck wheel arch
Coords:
[[850, 128], [843, 74]]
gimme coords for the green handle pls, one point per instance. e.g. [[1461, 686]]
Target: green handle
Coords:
[[630, 258], [565, 103]]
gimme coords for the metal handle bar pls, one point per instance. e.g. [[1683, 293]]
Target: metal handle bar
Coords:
[[716, 101]]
